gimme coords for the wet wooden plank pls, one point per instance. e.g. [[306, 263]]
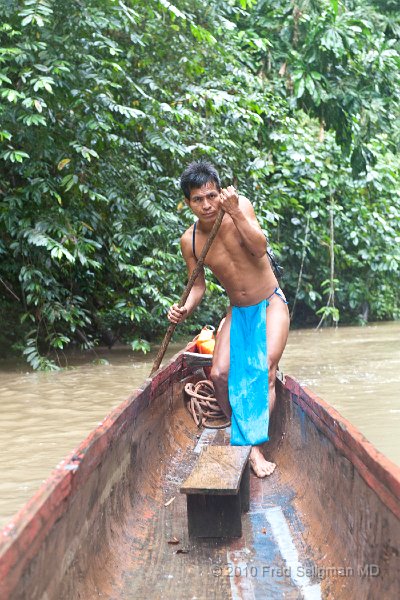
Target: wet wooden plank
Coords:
[[218, 471]]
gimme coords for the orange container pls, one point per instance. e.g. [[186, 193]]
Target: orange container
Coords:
[[205, 340], [206, 347]]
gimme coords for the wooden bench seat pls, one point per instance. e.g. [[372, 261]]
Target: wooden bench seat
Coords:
[[197, 360], [218, 491]]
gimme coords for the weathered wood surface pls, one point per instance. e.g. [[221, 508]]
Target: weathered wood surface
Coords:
[[378, 471], [218, 471], [218, 491], [214, 516], [43, 544]]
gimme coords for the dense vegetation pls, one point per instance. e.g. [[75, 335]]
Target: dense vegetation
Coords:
[[104, 102]]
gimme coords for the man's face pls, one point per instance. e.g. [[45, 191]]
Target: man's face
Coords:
[[204, 201]]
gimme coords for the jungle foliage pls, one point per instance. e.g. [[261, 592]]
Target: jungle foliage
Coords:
[[104, 102]]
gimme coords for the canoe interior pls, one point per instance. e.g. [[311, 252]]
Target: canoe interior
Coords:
[[325, 525]]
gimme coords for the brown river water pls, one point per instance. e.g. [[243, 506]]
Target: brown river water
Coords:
[[44, 416]]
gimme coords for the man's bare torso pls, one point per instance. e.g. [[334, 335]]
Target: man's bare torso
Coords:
[[247, 279]]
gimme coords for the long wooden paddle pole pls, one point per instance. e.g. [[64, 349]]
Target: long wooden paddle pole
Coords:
[[188, 287]]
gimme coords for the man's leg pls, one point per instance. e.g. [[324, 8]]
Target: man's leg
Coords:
[[277, 332], [220, 365]]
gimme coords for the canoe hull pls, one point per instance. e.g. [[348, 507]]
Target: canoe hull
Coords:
[[347, 493], [99, 525]]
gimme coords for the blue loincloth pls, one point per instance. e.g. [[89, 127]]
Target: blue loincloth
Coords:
[[248, 375]]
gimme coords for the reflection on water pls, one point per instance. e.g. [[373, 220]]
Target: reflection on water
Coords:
[[44, 416]]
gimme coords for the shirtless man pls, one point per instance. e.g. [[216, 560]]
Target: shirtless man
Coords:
[[238, 259]]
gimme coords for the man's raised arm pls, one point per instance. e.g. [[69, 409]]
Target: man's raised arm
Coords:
[[242, 214]]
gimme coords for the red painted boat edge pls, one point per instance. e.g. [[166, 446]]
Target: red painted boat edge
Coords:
[[378, 471], [26, 531]]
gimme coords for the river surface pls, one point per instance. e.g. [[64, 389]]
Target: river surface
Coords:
[[44, 416]]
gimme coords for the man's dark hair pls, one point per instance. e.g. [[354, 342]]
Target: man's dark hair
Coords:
[[197, 174]]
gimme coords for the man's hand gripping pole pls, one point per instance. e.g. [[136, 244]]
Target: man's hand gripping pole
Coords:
[[184, 297]]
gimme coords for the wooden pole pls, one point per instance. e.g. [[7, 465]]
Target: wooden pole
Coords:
[[184, 297]]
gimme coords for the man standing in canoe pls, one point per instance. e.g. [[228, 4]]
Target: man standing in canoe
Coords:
[[254, 332]]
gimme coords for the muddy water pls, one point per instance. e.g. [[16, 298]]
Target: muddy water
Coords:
[[46, 415]]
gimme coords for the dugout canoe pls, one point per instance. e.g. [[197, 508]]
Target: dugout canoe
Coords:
[[325, 525]]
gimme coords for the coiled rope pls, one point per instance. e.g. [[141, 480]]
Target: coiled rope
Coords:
[[203, 406]]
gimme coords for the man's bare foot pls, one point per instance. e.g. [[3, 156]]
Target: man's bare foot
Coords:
[[260, 466]]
